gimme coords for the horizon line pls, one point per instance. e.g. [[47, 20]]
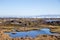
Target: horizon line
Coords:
[[35, 16]]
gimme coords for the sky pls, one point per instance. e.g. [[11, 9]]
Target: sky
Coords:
[[29, 7]]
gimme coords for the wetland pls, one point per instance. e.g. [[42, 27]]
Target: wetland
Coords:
[[29, 29]]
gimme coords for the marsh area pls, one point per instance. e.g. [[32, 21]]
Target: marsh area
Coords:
[[29, 28], [32, 33]]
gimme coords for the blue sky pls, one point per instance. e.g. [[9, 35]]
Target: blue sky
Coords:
[[29, 7]]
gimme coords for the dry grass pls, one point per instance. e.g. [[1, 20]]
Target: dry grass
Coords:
[[27, 24]]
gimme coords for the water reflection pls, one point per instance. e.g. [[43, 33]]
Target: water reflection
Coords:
[[32, 33]]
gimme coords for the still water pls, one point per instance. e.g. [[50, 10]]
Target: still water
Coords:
[[32, 33]]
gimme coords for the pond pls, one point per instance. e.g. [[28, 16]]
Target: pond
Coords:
[[32, 33]]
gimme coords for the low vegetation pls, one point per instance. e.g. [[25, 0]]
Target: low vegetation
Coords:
[[27, 24]]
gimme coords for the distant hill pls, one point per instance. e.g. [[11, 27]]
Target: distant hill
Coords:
[[34, 16]]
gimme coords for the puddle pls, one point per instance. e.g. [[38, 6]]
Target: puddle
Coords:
[[32, 33]]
